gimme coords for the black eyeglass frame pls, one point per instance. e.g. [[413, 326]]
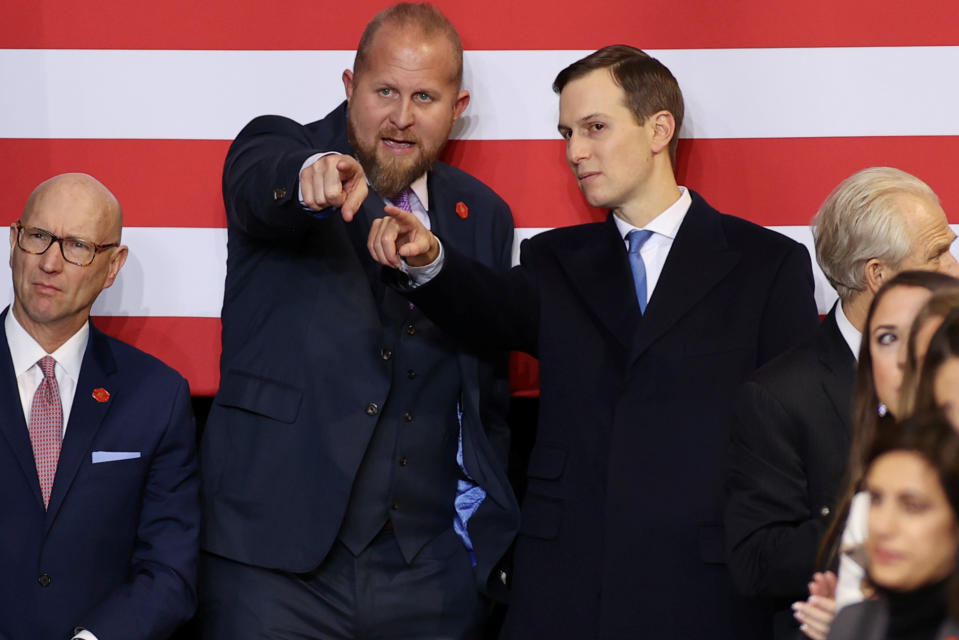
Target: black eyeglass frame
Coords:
[[97, 248]]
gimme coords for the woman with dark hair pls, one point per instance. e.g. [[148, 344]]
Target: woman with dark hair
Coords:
[[930, 318], [939, 375], [913, 483], [882, 358]]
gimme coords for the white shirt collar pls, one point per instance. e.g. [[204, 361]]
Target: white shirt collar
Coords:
[[665, 224], [25, 351], [849, 333]]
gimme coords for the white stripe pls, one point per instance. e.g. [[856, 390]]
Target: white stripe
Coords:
[[730, 93], [179, 272], [176, 272]]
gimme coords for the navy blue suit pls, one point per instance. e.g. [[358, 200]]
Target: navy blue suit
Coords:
[[116, 550], [622, 533], [305, 372]]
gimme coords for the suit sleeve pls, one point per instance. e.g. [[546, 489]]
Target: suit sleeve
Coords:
[[482, 307], [495, 405], [160, 593], [261, 177], [771, 533], [790, 314]]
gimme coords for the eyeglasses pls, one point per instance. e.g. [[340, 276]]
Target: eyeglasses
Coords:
[[74, 250]]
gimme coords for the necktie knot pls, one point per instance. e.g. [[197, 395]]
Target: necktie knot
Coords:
[[637, 238], [402, 200], [47, 365]]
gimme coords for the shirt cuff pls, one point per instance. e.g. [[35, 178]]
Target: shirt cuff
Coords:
[[421, 275], [83, 634], [308, 162]]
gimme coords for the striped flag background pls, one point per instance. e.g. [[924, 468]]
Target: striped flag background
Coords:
[[783, 101]]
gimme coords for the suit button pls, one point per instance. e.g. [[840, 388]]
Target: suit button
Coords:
[[411, 329], [403, 461], [44, 579], [410, 374], [386, 354], [408, 416], [396, 507], [824, 511], [372, 409], [279, 194]]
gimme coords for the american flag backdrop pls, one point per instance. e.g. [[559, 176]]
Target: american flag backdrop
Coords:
[[783, 99]]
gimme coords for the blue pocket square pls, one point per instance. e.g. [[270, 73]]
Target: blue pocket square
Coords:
[[113, 456]]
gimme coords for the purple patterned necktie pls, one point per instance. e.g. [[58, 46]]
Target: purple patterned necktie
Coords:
[[46, 427], [402, 200]]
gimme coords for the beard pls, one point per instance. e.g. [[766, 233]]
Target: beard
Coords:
[[390, 175]]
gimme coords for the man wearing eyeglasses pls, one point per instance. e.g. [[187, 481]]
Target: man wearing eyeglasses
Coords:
[[98, 488]]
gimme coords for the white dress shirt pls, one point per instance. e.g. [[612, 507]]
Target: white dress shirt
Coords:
[[656, 249], [26, 352], [850, 334]]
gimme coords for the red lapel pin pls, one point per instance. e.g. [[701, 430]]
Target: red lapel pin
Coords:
[[101, 395], [462, 210]]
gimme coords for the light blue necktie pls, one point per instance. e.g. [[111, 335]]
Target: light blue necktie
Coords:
[[637, 238]]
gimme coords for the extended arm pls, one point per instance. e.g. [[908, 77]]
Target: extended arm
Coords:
[[264, 175]]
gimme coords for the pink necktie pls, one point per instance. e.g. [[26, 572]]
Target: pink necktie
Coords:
[[46, 427]]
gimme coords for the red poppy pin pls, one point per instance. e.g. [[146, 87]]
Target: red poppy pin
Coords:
[[101, 395], [462, 210]]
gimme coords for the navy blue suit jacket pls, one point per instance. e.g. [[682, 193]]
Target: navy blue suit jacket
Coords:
[[116, 550], [621, 533], [301, 367]]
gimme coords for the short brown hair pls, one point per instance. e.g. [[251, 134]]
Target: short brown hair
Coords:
[[421, 15], [649, 86]]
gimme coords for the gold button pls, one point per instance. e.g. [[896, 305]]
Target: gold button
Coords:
[[279, 194]]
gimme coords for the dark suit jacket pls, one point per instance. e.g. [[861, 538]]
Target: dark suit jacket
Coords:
[[788, 452], [621, 533], [301, 366], [116, 550]]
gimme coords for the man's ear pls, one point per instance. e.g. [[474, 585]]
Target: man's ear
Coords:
[[462, 101], [13, 241], [663, 130], [348, 83], [877, 273], [117, 260]]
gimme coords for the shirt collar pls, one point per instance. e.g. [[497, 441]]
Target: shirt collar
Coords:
[[25, 351], [849, 333], [666, 223]]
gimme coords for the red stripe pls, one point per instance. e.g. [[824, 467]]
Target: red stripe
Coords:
[[189, 345], [176, 183], [490, 24]]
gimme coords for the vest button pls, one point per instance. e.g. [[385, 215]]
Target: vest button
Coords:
[[408, 416], [403, 461], [411, 329], [372, 409], [44, 579], [411, 374], [386, 354]]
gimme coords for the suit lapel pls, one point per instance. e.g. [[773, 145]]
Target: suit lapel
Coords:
[[697, 261], [444, 196], [13, 425], [839, 367], [86, 416], [595, 262]]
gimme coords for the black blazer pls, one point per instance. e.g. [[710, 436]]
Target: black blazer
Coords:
[[621, 533], [869, 620], [789, 448], [301, 367]]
